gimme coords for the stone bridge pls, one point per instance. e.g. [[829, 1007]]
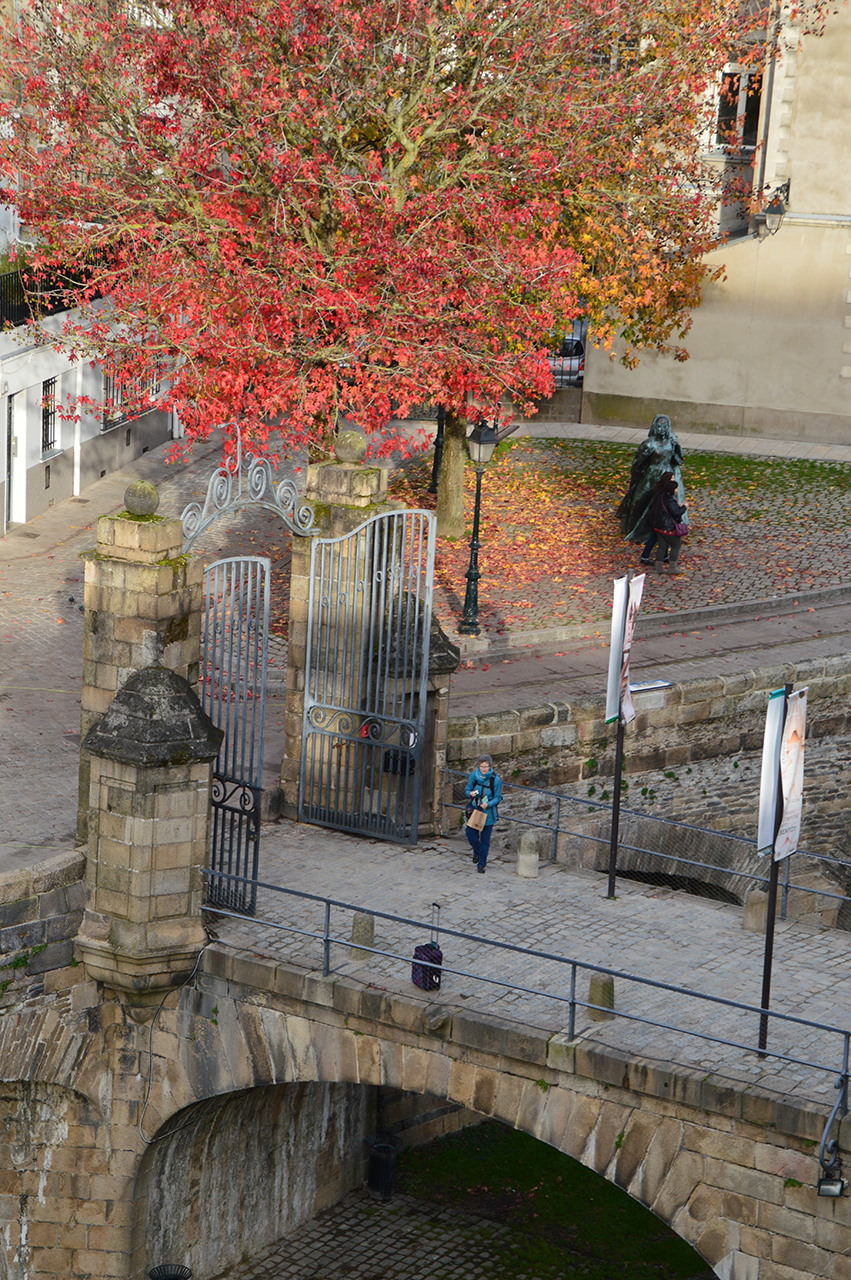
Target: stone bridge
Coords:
[[205, 1128]]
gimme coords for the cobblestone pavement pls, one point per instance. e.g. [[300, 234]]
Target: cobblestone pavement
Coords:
[[403, 1239], [41, 642], [647, 932], [550, 545]]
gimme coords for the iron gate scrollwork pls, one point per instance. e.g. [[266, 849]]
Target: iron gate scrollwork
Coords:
[[234, 650], [368, 629]]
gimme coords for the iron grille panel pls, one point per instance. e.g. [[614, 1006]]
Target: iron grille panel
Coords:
[[368, 630], [234, 653]]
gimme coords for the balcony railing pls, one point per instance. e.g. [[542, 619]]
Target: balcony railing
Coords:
[[24, 297]]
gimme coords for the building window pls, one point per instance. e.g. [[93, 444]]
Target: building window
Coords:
[[113, 409], [739, 101], [124, 397], [48, 415]]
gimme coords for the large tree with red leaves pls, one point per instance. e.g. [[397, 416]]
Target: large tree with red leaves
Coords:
[[301, 209]]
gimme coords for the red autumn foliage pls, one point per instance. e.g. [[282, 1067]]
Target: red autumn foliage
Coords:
[[301, 209]]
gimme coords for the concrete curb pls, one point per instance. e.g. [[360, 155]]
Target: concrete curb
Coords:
[[545, 639]]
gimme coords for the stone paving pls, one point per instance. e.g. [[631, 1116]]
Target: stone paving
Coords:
[[550, 546], [648, 932], [403, 1239]]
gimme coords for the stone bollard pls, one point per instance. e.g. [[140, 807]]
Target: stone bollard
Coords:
[[363, 933], [756, 911], [527, 855], [601, 991]]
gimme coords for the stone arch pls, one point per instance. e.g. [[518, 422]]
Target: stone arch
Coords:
[[654, 1155], [57, 1043]]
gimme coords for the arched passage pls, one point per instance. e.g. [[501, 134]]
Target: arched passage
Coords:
[[229, 1177], [232, 1174]]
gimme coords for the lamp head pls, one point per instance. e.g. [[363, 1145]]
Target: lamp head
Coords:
[[481, 443], [775, 210]]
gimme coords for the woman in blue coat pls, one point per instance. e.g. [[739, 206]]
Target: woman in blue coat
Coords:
[[484, 791]]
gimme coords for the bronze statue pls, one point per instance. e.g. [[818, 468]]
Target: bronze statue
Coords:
[[659, 453]]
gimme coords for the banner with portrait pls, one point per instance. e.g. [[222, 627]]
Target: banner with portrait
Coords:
[[626, 602], [792, 775]]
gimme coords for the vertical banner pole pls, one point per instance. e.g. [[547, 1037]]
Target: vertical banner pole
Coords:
[[616, 810], [771, 913]]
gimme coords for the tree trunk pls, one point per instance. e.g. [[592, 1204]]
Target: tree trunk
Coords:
[[450, 486]]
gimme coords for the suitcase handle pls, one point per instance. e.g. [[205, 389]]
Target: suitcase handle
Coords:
[[435, 921]]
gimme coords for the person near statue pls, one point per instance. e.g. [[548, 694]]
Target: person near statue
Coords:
[[669, 523], [656, 456]]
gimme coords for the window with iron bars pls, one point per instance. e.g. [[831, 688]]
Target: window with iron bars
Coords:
[[113, 409], [48, 415], [117, 391]]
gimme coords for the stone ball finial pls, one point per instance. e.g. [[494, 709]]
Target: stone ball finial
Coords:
[[350, 446], [141, 498]]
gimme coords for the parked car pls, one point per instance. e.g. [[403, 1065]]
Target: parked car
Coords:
[[568, 362]]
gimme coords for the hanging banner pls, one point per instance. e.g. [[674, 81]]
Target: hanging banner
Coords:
[[619, 603], [770, 777], [636, 590], [792, 775]]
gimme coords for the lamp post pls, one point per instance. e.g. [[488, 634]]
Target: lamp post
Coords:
[[438, 449], [481, 443]]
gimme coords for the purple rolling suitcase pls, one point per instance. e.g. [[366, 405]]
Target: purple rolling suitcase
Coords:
[[428, 957]]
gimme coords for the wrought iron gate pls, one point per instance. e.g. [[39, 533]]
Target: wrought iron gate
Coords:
[[369, 622], [234, 648]]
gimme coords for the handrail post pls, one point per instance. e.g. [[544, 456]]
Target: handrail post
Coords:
[[326, 941], [571, 1021], [785, 899], [616, 810]]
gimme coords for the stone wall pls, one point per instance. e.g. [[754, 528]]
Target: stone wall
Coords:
[[416, 1118], [245, 1170], [40, 911], [53, 1181], [692, 754], [697, 720]]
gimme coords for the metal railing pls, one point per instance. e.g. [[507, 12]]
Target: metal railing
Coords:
[[565, 805], [567, 996], [25, 296]]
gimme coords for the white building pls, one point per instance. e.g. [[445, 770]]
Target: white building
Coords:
[[59, 428], [770, 347]]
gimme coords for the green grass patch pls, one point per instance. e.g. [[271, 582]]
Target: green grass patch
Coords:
[[565, 1221]]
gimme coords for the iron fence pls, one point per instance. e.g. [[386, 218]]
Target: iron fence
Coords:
[[25, 296], [557, 989], [665, 852]]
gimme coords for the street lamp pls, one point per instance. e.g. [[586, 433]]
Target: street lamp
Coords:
[[775, 211], [481, 443]]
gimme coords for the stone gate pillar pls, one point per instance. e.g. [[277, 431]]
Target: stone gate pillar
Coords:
[[343, 495], [151, 758], [142, 608]]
